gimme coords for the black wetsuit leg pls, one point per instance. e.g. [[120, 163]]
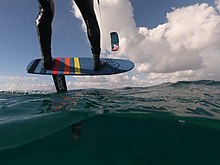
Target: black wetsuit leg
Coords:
[[44, 23], [87, 10], [45, 18]]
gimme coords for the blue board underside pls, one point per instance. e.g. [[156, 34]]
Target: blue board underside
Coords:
[[112, 66]]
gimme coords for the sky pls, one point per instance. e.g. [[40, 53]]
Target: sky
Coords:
[[168, 41]]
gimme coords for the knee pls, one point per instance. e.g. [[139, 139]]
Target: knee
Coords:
[[44, 17]]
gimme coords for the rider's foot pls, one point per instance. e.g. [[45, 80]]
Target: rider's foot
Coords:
[[97, 63], [47, 62]]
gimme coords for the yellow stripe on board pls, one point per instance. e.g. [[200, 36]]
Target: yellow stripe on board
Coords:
[[77, 65]]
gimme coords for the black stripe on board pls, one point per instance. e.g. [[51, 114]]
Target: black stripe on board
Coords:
[[34, 66]]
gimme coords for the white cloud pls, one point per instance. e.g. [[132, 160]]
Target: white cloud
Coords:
[[26, 83], [217, 2], [186, 47]]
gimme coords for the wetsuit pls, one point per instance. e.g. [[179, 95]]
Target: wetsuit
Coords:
[[45, 18]]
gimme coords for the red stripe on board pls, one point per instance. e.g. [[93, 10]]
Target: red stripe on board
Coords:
[[56, 66], [67, 66]]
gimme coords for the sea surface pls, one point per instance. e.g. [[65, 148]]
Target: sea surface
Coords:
[[168, 124]]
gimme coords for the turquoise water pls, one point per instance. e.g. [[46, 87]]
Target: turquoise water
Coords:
[[172, 123]]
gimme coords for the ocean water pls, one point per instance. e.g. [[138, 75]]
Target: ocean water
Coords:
[[172, 123]]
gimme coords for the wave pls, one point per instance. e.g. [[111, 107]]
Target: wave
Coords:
[[46, 112]]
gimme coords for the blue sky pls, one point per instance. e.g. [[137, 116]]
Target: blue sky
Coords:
[[18, 37]]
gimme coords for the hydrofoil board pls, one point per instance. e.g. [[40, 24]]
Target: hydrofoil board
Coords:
[[78, 67]]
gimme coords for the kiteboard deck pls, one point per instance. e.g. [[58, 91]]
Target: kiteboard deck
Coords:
[[78, 67]]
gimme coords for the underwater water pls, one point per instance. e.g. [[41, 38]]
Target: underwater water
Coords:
[[171, 123]]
